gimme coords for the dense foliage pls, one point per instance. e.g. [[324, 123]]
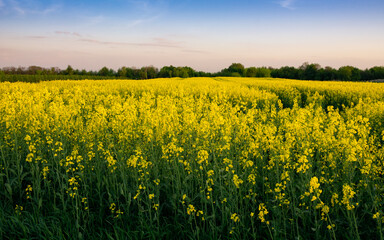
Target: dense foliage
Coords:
[[304, 72], [209, 158]]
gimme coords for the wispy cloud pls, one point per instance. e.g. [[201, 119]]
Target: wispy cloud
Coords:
[[155, 42], [287, 4], [1, 3], [48, 10], [37, 37], [68, 33], [142, 5], [28, 7], [93, 20], [136, 22], [166, 42], [195, 51]]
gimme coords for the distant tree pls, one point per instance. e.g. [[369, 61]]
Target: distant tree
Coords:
[[136, 73], [309, 71], [130, 73], [167, 72], [151, 71], [305, 71], [34, 70], [250, 72], [263, 72], [9, 70], [203, 74], [122, 72], [68, 71], [143, 74], [349, 73], [327, 73], [76, 72], [223, 72], [177, 72], [236, 68], [21, 70], [356, 74], [54, 71], [286, 72], [377, 72], [106, 72], [191, 72], [366, 75], [184, 73]]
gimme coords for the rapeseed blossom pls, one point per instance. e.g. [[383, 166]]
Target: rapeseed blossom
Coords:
[[195, 153]]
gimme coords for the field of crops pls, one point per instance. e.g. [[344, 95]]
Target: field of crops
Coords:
[[199, 158]]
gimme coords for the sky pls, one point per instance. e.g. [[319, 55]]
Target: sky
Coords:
[[207, 35]]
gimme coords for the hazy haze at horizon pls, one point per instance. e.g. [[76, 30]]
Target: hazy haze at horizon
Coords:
[[205, 35]]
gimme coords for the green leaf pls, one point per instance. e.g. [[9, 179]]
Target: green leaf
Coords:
[[9, 188]]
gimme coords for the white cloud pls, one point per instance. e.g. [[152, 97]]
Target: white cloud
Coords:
[[23, 8], [287, 4], [19, 10], [68, 33], [141, 5], [140, 21], [94, 20], [155, 42]]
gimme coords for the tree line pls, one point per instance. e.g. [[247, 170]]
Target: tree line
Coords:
[[306, 71]]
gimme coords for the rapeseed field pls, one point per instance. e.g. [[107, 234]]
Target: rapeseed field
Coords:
[[197, 158]]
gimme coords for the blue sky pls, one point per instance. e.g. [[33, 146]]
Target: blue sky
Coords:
[[207, 35]]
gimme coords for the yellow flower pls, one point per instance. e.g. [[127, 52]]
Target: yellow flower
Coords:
[[45, 172], [29, 157], [237, 181], [348, 194], [72, 181], [314, 184], [191, 209], [157, 181], [235, 217], [202, 157], [29, 188], [262, 212], [112, 207], [155, 206], [18, 209], [27, 138], [119, 213]]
